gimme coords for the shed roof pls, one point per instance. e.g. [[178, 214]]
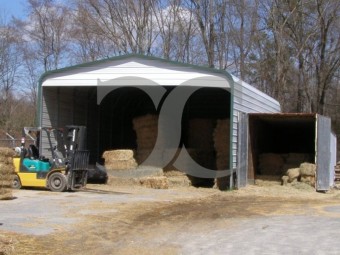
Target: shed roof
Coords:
[[134, 69]]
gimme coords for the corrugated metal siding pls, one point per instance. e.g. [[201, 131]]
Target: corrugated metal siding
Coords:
[[248, 99], [323, 157], [332, 162], [60, 107]]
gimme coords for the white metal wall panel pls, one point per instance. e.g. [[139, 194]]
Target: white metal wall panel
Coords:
[[323, 145], [248, 99]]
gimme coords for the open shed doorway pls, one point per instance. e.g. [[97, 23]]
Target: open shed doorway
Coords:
[[279, 142], [128, 119]]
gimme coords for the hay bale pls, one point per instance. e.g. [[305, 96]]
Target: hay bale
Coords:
[[307, 169], [297, 158], [271, 164], [200, 135], [286, 167], [285, 179], [7, 152], [114, 155], [6, 173], [221, 144], [121, 164], [308, 180], [293, 174], [155, 182]]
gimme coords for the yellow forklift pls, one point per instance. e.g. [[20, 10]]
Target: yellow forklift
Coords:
[[65, 169]]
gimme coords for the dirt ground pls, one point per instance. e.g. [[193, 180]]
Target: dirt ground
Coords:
[[259, 219]]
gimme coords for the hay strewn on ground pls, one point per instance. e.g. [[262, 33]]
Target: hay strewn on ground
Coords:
[[119, 159], [6, 173]]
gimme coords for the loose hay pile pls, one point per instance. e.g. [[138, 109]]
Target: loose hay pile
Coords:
[[6, 173], [221, 143], [119, 159]]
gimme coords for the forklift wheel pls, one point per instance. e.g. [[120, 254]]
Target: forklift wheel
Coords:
[[57, 182], [16, 184]]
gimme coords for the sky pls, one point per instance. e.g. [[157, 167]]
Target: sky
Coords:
[[14, 8]]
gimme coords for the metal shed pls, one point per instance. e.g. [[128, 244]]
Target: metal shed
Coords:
[[106, 95], [294, 134]]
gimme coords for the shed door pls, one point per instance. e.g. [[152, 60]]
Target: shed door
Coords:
[[242, 157], [323, 141]]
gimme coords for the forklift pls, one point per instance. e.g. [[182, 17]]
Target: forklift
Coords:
[[65, 169]]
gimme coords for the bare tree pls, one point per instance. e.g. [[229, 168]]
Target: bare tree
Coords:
[[205, 11], [9, 67], [127, 24], [47, 31]]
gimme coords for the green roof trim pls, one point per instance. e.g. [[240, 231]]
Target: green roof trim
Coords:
[[127, 56]]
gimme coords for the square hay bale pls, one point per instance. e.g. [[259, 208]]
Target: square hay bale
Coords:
[[293, 174], [271, 164], [155, 182], [308, 180], [200, 135], [114, 155], [7, 152], [297, 158], [121, 164], [307, 169]]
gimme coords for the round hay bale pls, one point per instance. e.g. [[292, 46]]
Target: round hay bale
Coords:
[[307, 169], [118, 155], [293, 174], [7, 152]]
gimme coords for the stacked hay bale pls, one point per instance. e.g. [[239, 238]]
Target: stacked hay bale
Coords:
[[200, 135], [294, 160], [221, 143], [307, 173], [146, 128], [6, 173], [155, 182], [271, 164], [119, 159]]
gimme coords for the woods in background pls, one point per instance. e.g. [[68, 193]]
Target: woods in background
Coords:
[[290, 49]]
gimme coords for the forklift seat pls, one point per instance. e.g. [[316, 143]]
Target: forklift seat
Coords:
[[33, 152]]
